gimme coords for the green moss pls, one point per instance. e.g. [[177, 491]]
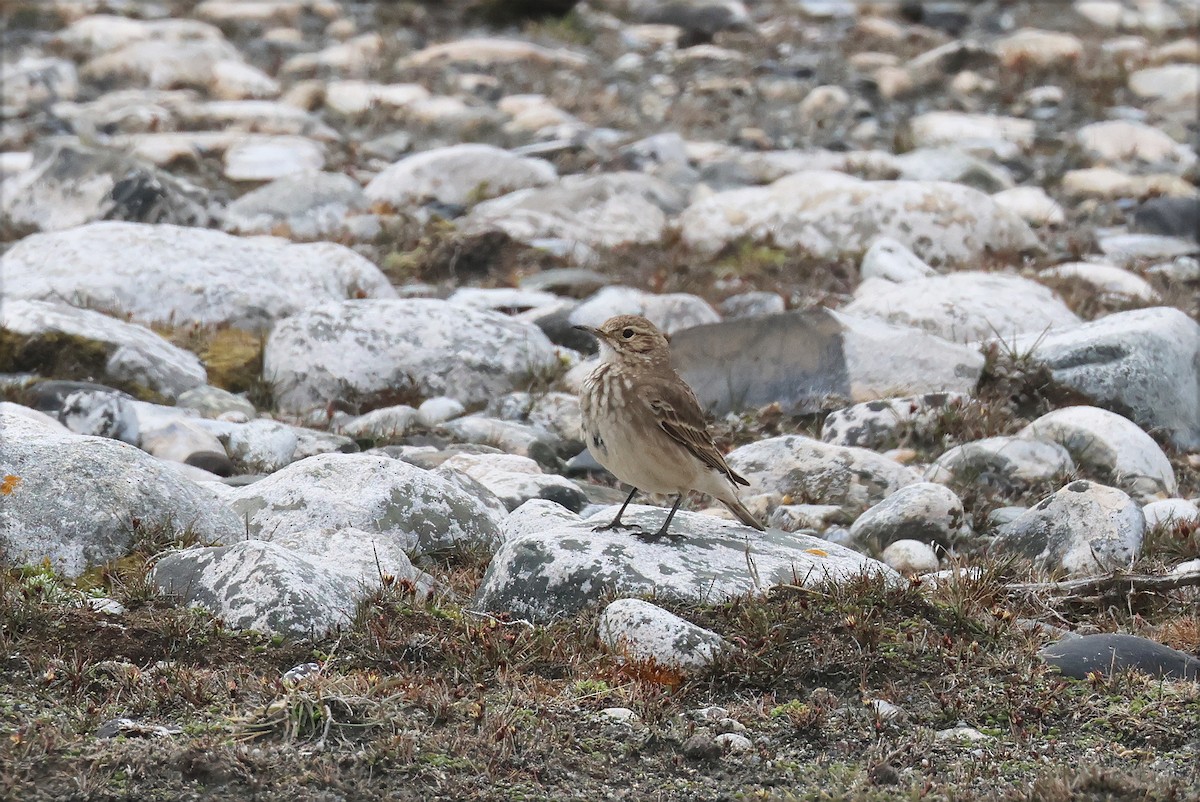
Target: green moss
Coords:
[[61, 356]]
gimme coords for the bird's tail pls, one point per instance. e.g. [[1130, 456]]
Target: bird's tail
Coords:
[[737, 508]]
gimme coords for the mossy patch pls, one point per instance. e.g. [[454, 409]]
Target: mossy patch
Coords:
[[58, 355], [234, 360]]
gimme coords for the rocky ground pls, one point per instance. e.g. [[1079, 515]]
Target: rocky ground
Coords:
[[293, 503]]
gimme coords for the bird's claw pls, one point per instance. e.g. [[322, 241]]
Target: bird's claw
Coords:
[[647, 537], [617, 525]]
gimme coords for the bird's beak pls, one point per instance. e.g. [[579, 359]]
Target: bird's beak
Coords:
[[588, 329]]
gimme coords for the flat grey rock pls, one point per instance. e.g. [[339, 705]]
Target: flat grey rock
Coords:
[[458, 175], [176, 275], [552, 564], [413, 510], [79, 502], [803, 360], [309, 206], [1109, 652], [373, 349]]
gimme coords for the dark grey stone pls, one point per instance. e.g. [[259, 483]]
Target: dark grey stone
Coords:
[[1107, 653]]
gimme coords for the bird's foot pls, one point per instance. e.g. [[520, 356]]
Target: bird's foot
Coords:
[[618, 526], [647, 537]]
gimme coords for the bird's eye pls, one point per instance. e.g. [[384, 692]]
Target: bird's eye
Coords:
[[627, 333]]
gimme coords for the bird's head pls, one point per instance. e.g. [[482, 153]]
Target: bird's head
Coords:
[[631, 338]]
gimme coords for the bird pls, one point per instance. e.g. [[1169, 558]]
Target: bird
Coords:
[[643, 423]]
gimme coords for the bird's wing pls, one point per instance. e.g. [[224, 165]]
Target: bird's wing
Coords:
[[679, 415]]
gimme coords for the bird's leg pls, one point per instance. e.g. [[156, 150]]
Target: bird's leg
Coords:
[[616, 522], [662, 531]]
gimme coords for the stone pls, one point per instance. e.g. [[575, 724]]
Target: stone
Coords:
[[1169, 89], [185, 442], [552, 563], [31, 414], [641, 631], [1038, 49], [964, 307], [1171, 217], [803, 360], [924, 512], [1125, 248], [521, 439], [557, 413], [94, 34], [1111, 652], [214, 402], [1083, 529], [133, 356], [70, 184], [385, 423], [910, 557], [355, 57], [439, 409], [955, 165], [408, 508], [259, 446], [752, 304], [359, 97], [175, 275], [212, 64], [1144, 364], [1109, 282], [79, 502], [809, 470], [514, 480], [99, 412], [458, 175], [830, 216], [796, 517], [670, 312], [889, 260], [1107, 183], [1108, 447], [1171, 512], [954, 128], [509, 300], [1032, 205], [601, 211], [262, 586], [32, 82], [306, 205], [360, 350], [269, 158], [1005, 462], [491, 52], [878, 425], [1120, 142]]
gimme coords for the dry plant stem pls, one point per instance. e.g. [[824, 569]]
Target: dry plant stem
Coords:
[[1113, 584]]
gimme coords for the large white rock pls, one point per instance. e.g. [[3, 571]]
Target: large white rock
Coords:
[[1110, 447], [363, 349], [1001, 461], [1144, 363], [1084, 528], [639, 630], [1126, 142], [671, 312], [170, 274], [964, 307], [135, 354], [79, 502], [552, 563], [406, 508], [812, 471], [602, 211], [830, 215], [458, 175]]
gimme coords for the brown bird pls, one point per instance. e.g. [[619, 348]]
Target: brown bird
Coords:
[[643, 423]]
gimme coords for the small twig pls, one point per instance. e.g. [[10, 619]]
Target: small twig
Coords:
[[490, 617], [1111, 584]]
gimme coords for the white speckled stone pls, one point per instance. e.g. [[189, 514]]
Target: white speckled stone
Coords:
[[643, 631]]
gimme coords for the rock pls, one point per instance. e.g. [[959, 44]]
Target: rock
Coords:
[[1124, 248], [1172, 217], [31, 414], [94, 34], [957, 166], [170, 274], [1006, 462], [889, 260], [1108, 447], [38, 335], [32, 82], [807, 469], [306, 206], [386, 423], [515, 480], [512, 438], [410, 509], [964, 307], [702, 748], [213, 402], [802, 360], [700, 20], [1143, 364], [1032, 205], [557, 413], [601, 211], [833, 216], [910, 557], [356, 57], [262, 586], [752, 304], [643, 631], [260, 446], [439, 410], [360, 97], [212, 64], [100, 412], [269, 158], [1109, 282], [1169, 89], [734, 743], [921, 512], [1119, 142], [1084, 528], [375, 349], [365, 557], [1171, 512], [509, 300], [459, 175], [552, 564], [1038, 49], [671, 312], [954, 128], [795, 517], [961, 733], [79, 502], [491, 52], [877, 424], [1110, 652], [185, 442], [70, 184], [129, 728], [1106, 183]]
